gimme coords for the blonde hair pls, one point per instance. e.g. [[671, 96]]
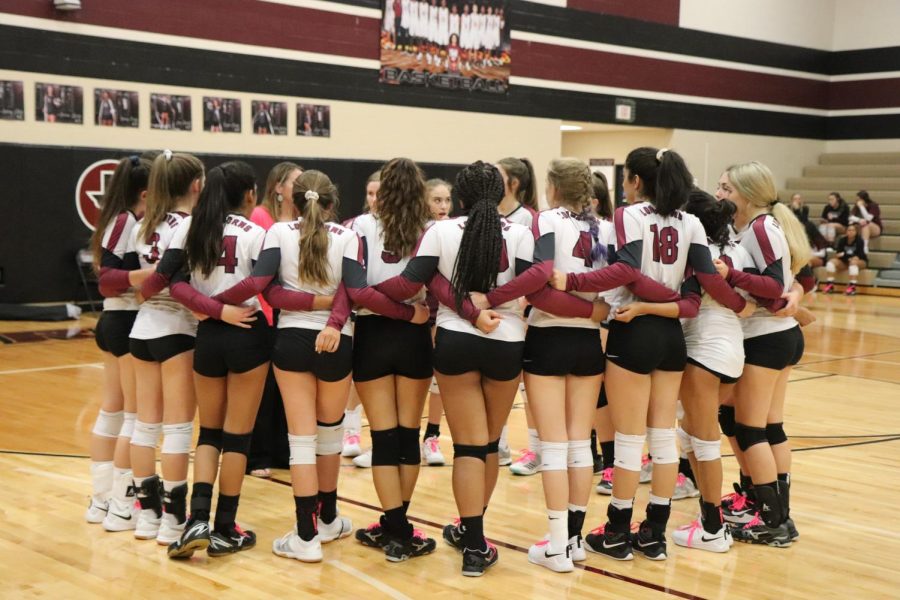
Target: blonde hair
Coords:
[[573, 181], [315, 198], [277, 176], [755, 183], [171, 177]]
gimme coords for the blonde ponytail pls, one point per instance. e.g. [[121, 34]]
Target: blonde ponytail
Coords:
[[795, 235], [314, 197], [171, 177]]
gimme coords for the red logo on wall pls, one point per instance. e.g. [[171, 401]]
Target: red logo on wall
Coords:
[[90, 190]]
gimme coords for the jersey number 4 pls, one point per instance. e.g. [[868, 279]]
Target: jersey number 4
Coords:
[[229, 253], [665, 244]]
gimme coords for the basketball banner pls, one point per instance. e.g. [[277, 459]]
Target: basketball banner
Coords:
[[446, 44]]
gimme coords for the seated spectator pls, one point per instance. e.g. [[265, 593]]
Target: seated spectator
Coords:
[[835, 217], [801, 210], [867, 215], [850, 256]]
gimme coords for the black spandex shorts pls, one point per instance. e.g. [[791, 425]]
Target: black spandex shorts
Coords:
[[456, 353], [646, 344], [161, 349], [563, 351], [722, 378], [775, 350], [113, 329], [223, 348], [383, 346], [295, 350]]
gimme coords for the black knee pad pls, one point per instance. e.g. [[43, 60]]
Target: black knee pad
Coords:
[[386, 447], [462, 450], [494, 447], [726, 420], [210, 437], [775, 434], [410, 452], [748, 437], [236, 442]]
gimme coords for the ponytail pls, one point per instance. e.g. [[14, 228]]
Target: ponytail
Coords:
[[223, 193], [715, 216], [601, 195], [127, 183], [170, 178], [315, 198], [522, 171], [478, 190], [795, 234], [666, 180]]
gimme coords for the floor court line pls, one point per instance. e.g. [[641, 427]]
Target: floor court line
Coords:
[[39, 369], [375, 583]]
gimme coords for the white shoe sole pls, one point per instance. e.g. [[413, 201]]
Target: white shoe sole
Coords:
[[351, 451], [114, 523], [564, 568], [719, 548], [435, 462], [295, 556], [146, 534], [95, 515]]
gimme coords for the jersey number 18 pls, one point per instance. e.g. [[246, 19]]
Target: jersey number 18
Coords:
[[665, 244]]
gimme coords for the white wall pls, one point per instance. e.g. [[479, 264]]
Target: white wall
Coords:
[[612, 144], [863, 145], [866, 24]]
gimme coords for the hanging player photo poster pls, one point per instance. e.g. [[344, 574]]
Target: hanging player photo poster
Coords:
[[12, 101], [314, 120], [221, 114], [269, 118], [170, 112], [59, 103], [446, 44], [115, 108]]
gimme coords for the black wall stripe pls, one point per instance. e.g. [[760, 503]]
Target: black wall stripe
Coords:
[[863, 128], [873, 60]]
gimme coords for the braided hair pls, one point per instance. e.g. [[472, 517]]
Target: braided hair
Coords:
[[478, 190], [574, 185]]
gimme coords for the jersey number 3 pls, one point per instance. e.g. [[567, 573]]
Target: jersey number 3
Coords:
[[229, 253], [665, 245]]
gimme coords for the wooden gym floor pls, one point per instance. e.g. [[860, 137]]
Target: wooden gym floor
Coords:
[[843, 415]]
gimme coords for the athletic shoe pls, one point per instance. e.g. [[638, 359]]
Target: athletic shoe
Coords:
[[418, 545], [431, 452], [233, 541], [611, 544], [341, 527], [651, 541], [561, 562], [351, 446], [504, 456], [605, 485], [757, 532], [453, 534], [121, 517], [194, 538], [851, 290], [694, 536], [170, 530], [646, 469], [372, 536], [147, 526], [598, 465], [476, 562], [576, 548], [738, 508], [291, 545], [527, 464], [96, 510], [828, 287], [685, 488], [792, 529], [364, 460]]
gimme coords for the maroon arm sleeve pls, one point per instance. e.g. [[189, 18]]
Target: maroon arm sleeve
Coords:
[[761, 286], [525, 284], [282, 298], [651, 290], [185, 293], [561, 304], [688, 306], [380, 303], [721, 292], [399, 287], [443, 292], [264, 271], [340, 309], [604, 279], [113, 282]]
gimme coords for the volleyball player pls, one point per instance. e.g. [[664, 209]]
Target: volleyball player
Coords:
[[111, 476], [647, 355], [850, 256], [162, 344]]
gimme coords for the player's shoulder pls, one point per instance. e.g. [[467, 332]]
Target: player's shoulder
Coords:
[[243, 224], [339, 231]]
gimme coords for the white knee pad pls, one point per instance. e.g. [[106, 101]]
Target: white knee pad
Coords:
[[146, 434], [706, 450], [554, 456], [330, 439], [108, 424], [629, 449], [684, 440], [853, 270], [661, 443], [127, 429], [303, 449], [580, 454], [829, 266], [177, 438]]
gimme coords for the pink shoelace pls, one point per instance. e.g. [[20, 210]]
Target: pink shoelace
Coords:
[[680, 479], [527, 456], [753, 522], [607, 475], [432, 444], [635, 527], [740, 503], [352, 440], [374, 526]]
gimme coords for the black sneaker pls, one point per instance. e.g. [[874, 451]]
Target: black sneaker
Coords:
[[233, 541], [792, 529], [476, 562], [397, 550], [613, 545], [453, 534], [194, 539], [372, 536], [738, 508], [651, 541], [757, 532]]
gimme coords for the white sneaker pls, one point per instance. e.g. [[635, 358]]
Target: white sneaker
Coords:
[[97, 510], [364, 460], [576, 549], [170, 530], [431, 451], [341, 527], [351, 444], [646, 469], [694, 536], [147, 526], [121, 516], [504, 456], [560, 562], [290, 545], [527, 464], [685, 488]]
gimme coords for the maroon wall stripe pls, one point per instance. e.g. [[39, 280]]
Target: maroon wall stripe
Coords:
[[656, 11], [869, 93]]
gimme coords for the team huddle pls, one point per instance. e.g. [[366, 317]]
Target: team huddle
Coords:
[[671, 319]]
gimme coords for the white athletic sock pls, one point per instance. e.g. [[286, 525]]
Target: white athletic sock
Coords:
[[559, 530], [102, 478], [353, 419], [660, 500], [576, 508], [122, 480], [139, 480], [171, 485], [622, 504], [534, 442], [504, 440]]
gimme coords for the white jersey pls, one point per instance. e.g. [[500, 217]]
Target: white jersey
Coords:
[[572, 249], [767, 246], [115, 241], [160, 315], [380, 264], [442, 240], [465, 30], [613, 297], [342, 243], [522, 215], [404, 14], [443, 25], [241, 244], [389, 16], [714, 337], [454, 27], [433, 23]]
